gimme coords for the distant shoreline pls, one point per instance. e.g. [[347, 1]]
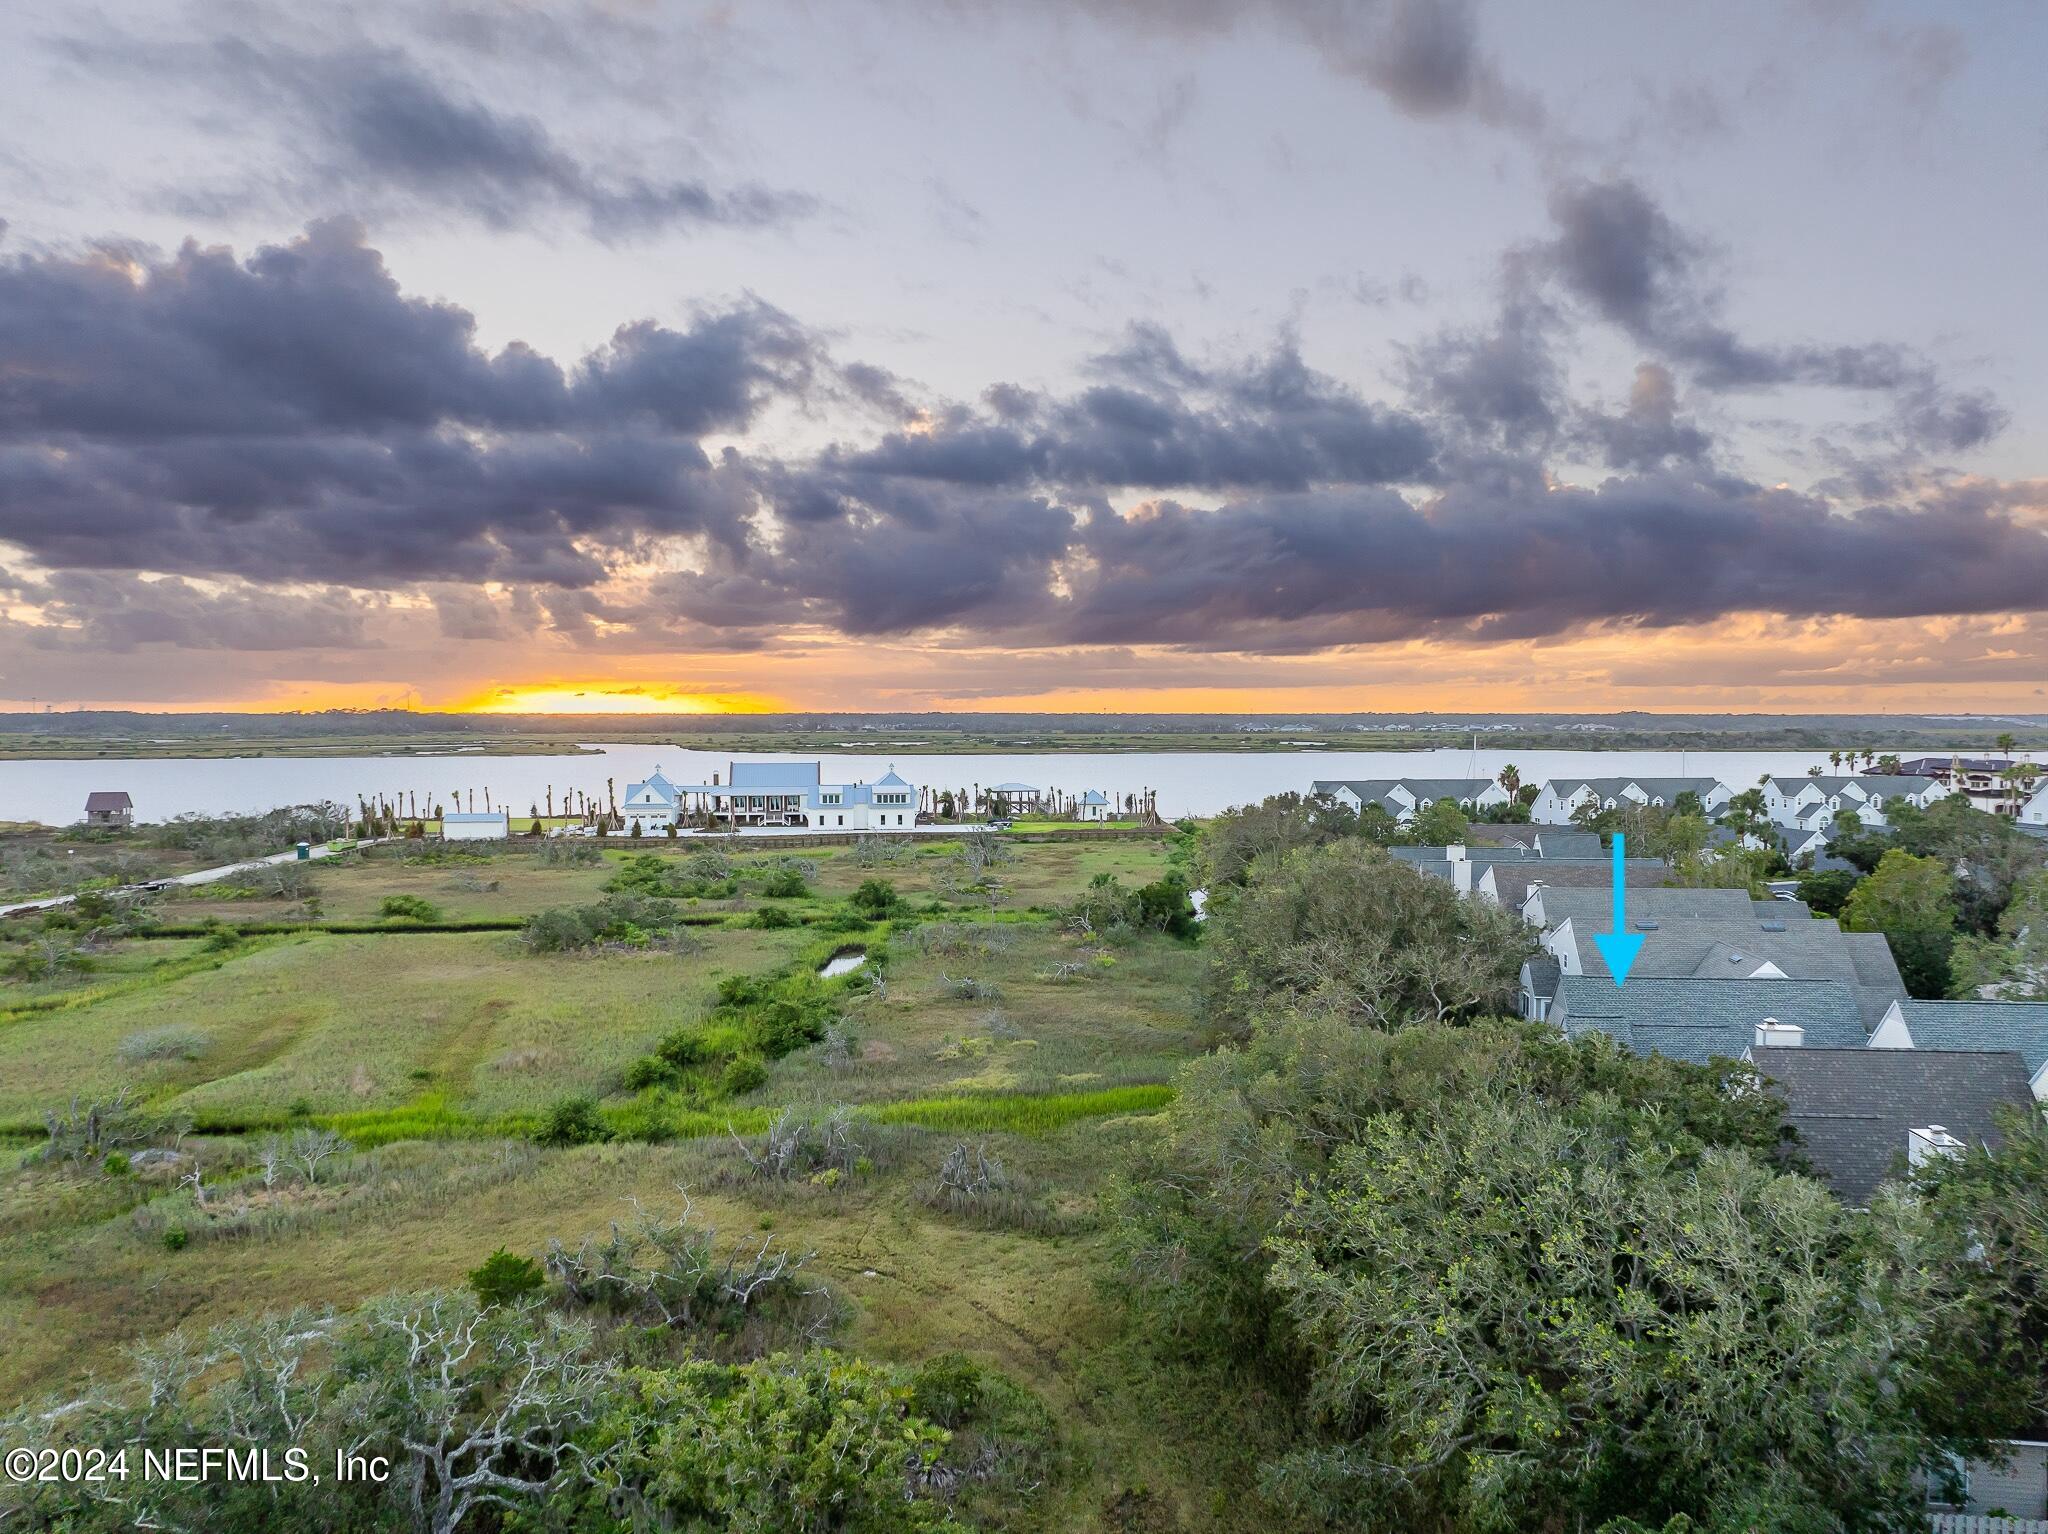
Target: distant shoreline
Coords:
[[1917, 736]]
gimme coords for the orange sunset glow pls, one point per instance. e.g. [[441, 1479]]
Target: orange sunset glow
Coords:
[[609, 698]]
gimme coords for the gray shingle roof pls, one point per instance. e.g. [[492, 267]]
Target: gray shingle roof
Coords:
[[1883, 784], [1367, 791], [1586, 905], [1668, 789], [101, 800], [1731, 940], [1698, 1020], [1513, 881], [2021, 1026], [1544, 975], [1447, 788], [1570, 844], [1854, 1107]]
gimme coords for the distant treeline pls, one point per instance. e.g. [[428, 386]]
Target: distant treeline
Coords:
[[1585, 731]]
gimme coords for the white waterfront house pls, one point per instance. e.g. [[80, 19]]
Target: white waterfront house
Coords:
[[1405, 798], [1093, 805], [478, 827], [775, 794], [1559, 799], [655, 803]]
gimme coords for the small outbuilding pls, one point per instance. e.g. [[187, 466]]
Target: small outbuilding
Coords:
[[1093, 805], [109, 807], [495, 826]]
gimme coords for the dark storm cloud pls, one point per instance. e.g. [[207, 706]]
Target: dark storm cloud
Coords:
[[1165, 423], [295, 414], [315, 334], [1650, 430], [1621, 255], [295, 418], [1424, 56], [1497, 384], [372, 128], [115, 613], [1496, 558]]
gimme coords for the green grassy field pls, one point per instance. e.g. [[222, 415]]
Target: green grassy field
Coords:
[[436, 1051]]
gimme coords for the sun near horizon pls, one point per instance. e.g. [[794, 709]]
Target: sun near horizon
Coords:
[[609, 698]]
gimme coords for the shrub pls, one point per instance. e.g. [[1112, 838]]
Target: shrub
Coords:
[[946, 1389], [116, 1164], [504, 1279], [627, 920], [772, 918], [648, 1071], [408, 908], [572, 1121], [701, 876], [175, 1239], [743, 1073], [171, 1042], [785, 884], [876, 899]]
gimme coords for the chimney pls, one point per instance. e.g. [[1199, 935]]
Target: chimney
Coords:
[[1455, 851], [1772, 1033], [1923, 1145]]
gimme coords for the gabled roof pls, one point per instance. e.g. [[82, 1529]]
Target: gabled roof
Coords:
[[1699, 1020], [1446, 788], [1543, 974], [1556, 843], [654, 786], [1366, 790], [1730, 939], [890, 780], [1513, 881], [2021, 1026], [1095, 796], [1651, 905], [1853, 1108], [101, 800], [1012, 788], [1667, 789]]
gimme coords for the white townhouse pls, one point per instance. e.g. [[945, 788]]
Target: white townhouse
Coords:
[[1405, 798], [1561, 798], [1812, 802], [786, 794], [2035, 811]]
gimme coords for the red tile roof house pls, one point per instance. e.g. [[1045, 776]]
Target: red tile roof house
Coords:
[[105, 808]]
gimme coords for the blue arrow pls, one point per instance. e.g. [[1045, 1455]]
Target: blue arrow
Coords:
[[1619, 947]]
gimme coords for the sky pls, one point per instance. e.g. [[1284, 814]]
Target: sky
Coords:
[[1241, 355]]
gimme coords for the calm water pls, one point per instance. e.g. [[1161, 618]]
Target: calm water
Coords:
[[1188, 782]]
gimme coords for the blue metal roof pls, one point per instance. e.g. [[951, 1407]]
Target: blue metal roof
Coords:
[[776, 775]]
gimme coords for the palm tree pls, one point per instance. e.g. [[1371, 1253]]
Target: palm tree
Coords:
[[1511, 779], [1835, 760]]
